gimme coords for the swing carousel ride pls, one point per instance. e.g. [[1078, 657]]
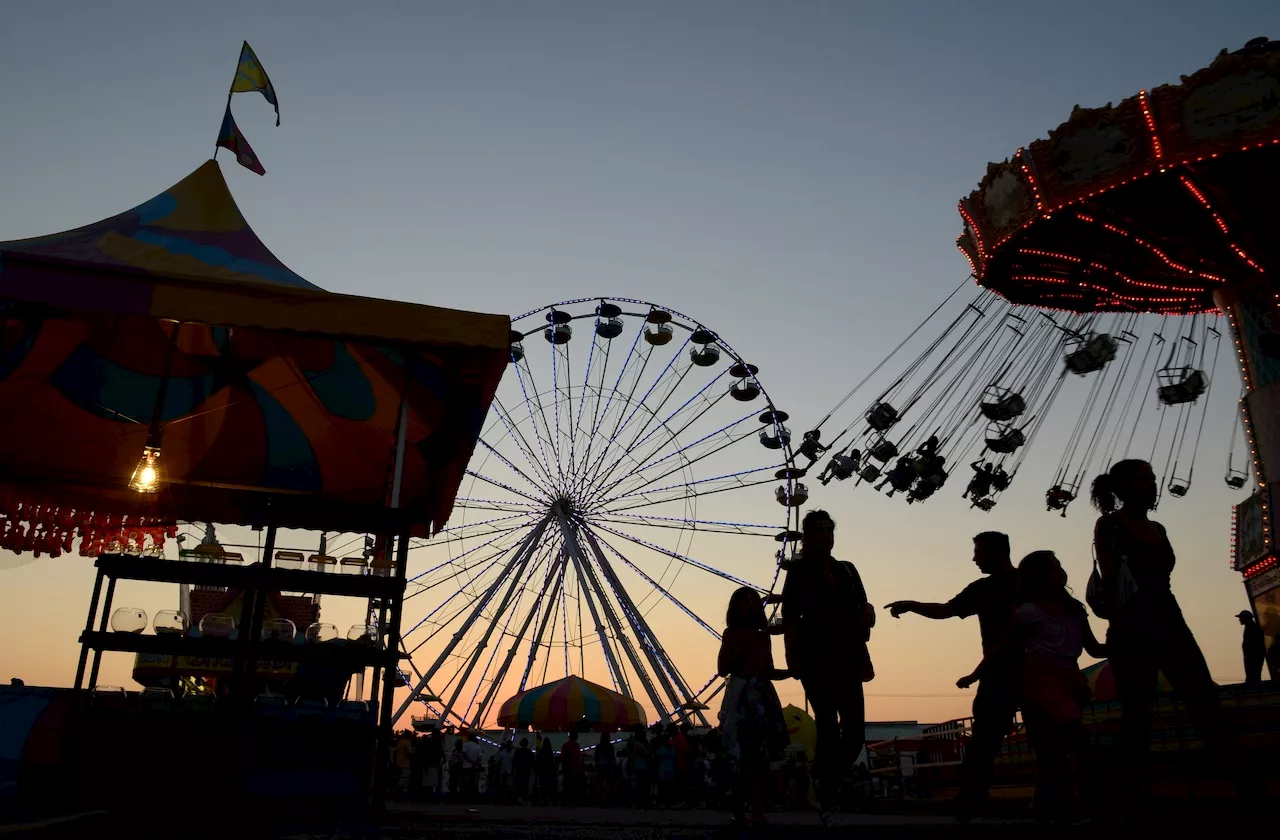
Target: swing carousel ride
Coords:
[[1104, 255], [607, 496]]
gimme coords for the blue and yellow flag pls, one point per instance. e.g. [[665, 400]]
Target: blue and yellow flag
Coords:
[[231, 138], [251, 76]]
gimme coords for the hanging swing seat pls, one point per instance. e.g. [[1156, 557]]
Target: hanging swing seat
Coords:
[[1236, 479], [870, 472], [1058, 497], [902, 477], [1178, 487], [984, 504], [883, 450], [810, 447], [843, 466], [1093, 354], [1004, 408], [882, 416], [1005, 441], [1181, 385]]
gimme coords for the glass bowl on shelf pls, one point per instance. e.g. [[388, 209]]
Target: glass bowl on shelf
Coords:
[[110, 696], [217, 625], [278, 630], [128, 620], [156, 697], [170, 623], [363, 634], [322, 631]]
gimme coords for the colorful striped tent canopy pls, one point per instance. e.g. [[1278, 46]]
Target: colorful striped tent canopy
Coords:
[[563, 704], [275, 389]]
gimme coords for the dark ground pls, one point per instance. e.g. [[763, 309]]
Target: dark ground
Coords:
[[413, 821]]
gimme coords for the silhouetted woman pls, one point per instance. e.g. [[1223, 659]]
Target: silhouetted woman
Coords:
[[1147, 633]]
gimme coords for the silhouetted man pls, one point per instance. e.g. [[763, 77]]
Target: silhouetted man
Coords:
[[1254, 648], [826, 623], [991, 600]]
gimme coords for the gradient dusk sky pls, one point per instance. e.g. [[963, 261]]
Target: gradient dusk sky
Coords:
[[786, 171]]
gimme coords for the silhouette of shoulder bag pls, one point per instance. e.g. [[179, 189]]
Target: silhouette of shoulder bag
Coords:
[[1104, 600]]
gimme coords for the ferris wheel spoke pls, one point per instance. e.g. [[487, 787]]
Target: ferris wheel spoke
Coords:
[[644, 498], [636, 442], [564, 625], [552, 437], [480, 568], [519, 558], [532, 613], [653, 583], [535, 485], [481, 565], [498, 505], [502, 533], [503, 486], [569, 433], [653, 413], [675, 555], [587, 583], [708, 405], [464, 590], [598, 391], [520, 377], [601, 418], [722, 433], [723, 436], [663, 668], [454, 531], [521, 442], [547, 616], [510, 613], [708, 526], [638, 630], [671, 367], [589, 474], [555, 403]]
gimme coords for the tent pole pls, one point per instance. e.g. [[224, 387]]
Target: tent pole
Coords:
[[88, 627], [390, 672]]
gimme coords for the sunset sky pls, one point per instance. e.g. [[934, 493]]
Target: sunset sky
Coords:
[[786, 172]]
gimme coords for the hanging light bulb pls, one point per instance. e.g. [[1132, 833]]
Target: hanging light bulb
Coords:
[[146, 476]]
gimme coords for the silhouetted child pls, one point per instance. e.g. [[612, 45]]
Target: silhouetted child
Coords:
[[753, 727]]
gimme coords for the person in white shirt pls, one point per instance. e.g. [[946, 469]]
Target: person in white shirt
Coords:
[[506, 767], [472, 765]]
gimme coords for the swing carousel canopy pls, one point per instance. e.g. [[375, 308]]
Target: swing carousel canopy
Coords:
[[1147, 206], [278, 401]]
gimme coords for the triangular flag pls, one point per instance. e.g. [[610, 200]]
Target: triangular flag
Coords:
[[251, 76], [231, 138]]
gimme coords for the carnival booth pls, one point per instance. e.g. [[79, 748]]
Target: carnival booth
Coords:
[[162, 366]]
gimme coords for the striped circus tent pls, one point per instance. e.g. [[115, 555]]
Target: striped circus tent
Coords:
[[567, 703]]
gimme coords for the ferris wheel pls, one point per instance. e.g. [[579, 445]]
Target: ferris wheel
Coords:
[[632, 472]]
